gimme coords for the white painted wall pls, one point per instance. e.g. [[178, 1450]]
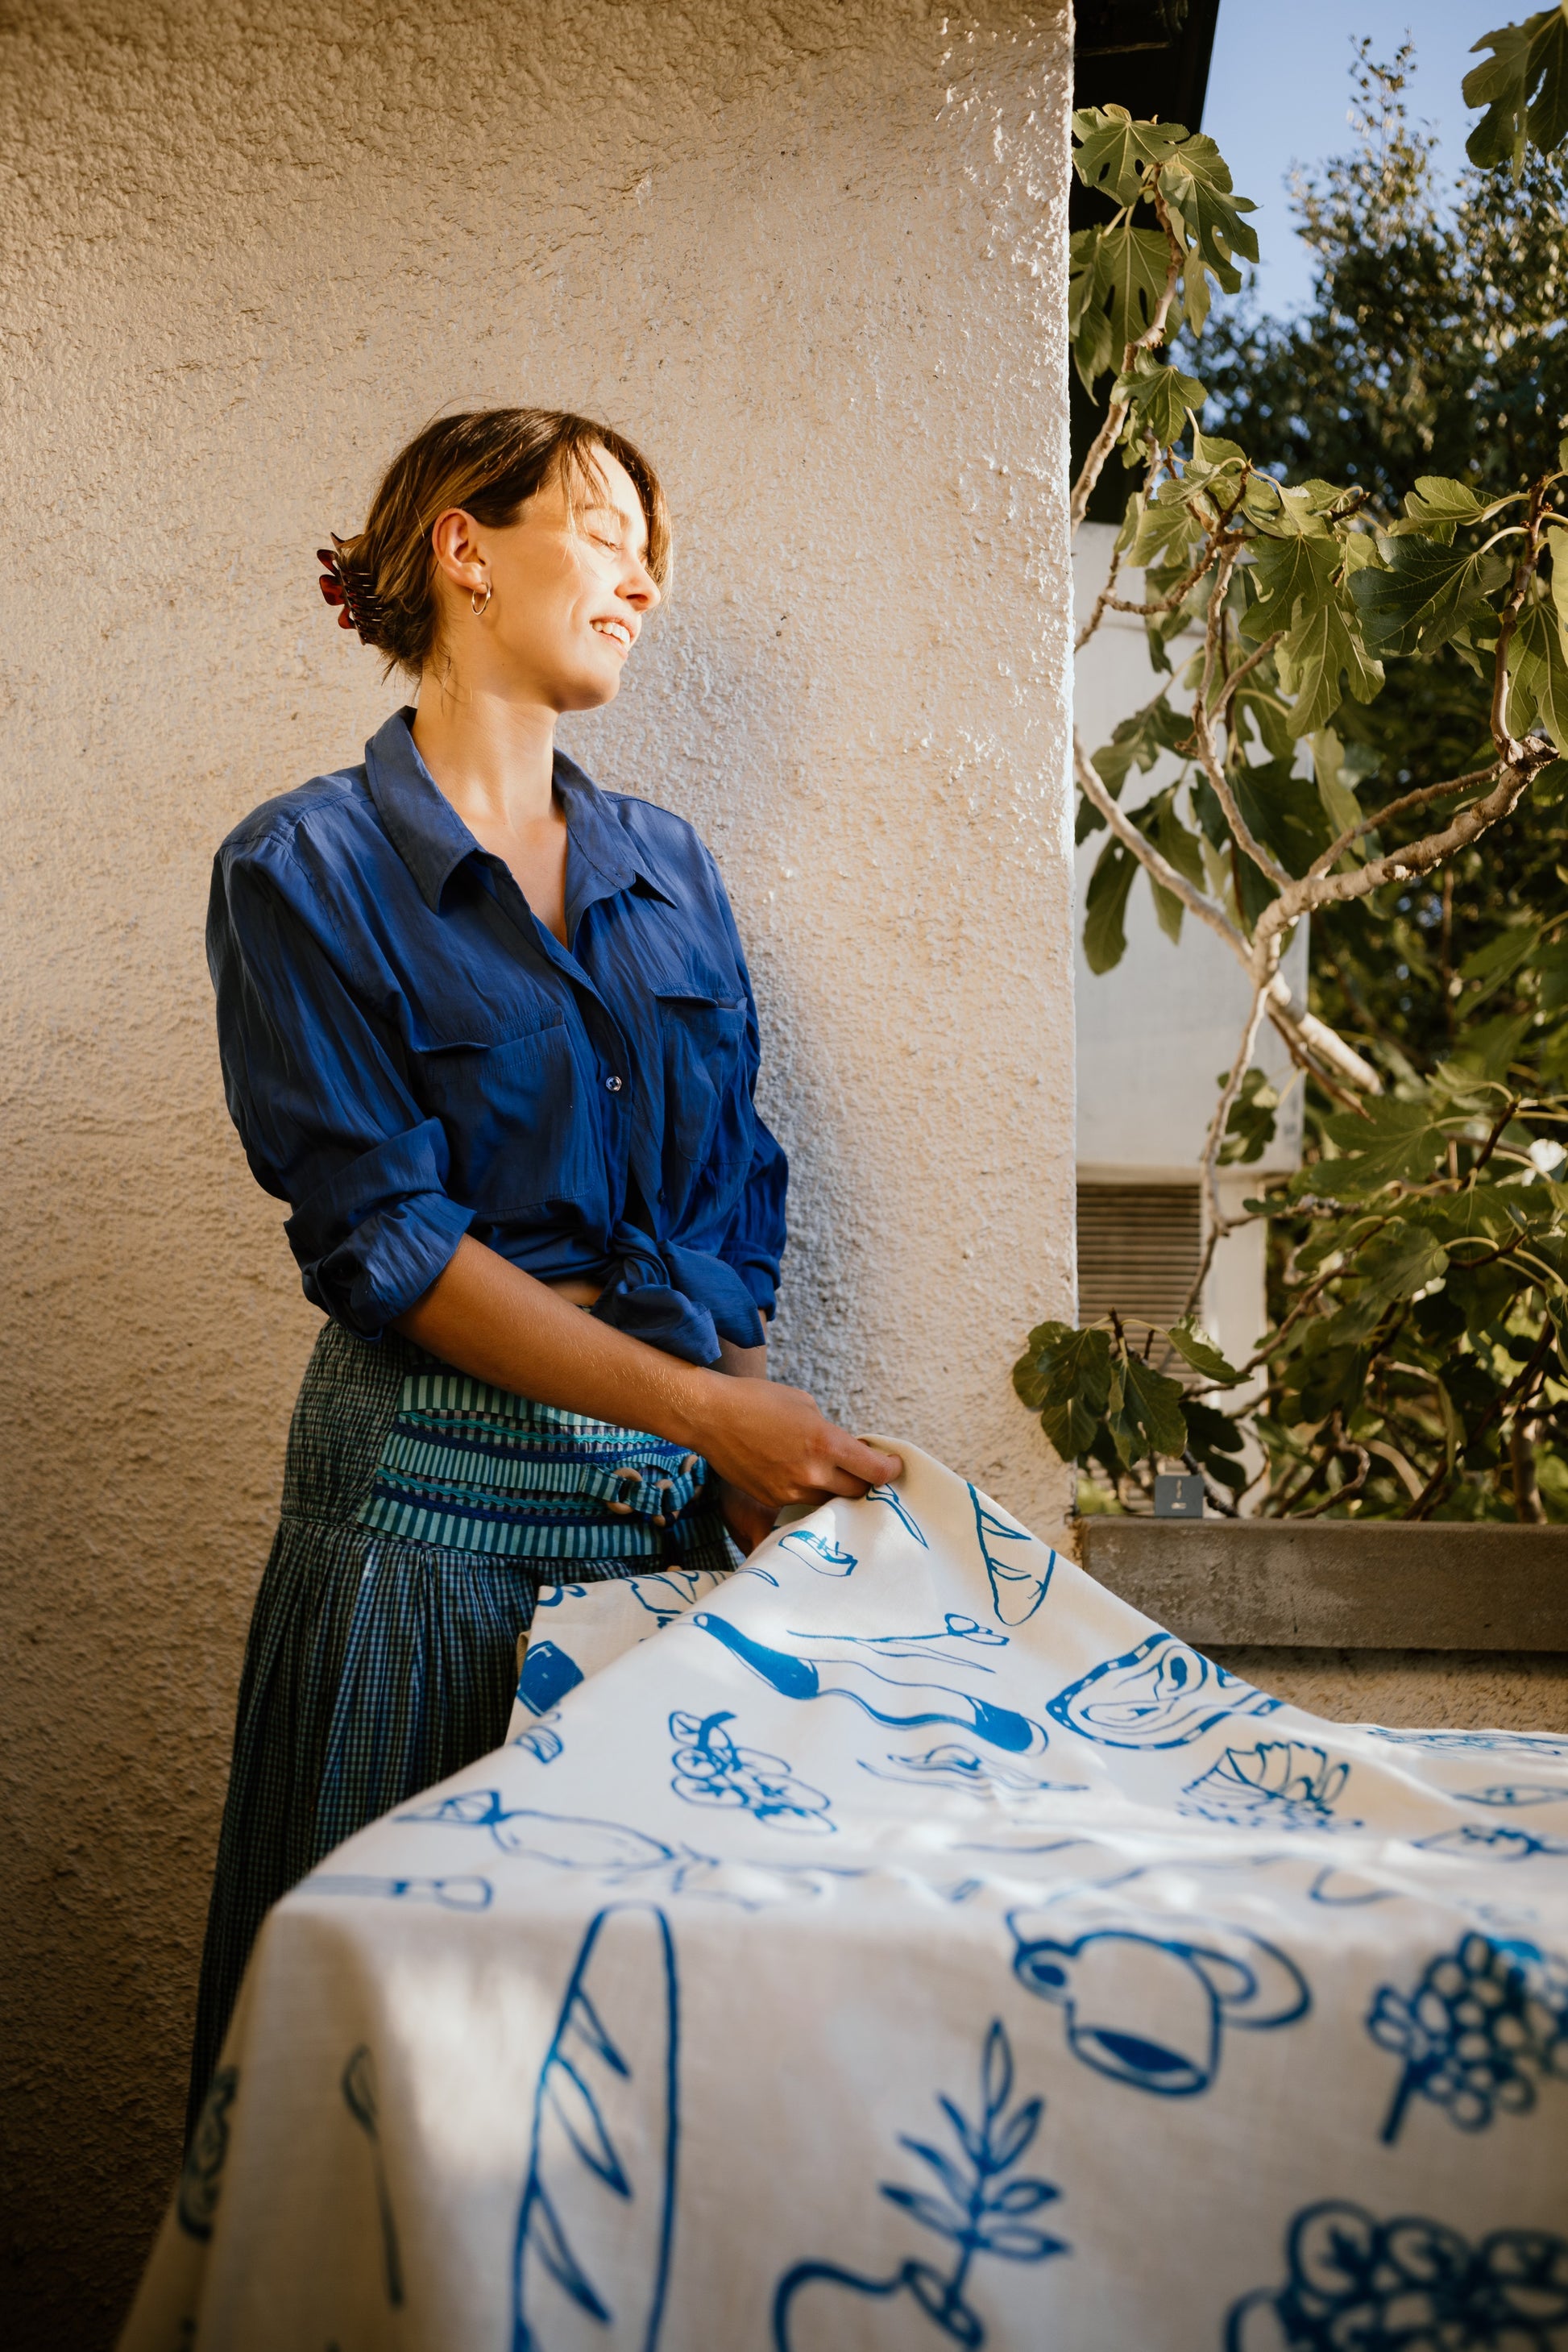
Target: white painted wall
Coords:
[[1155, 1033], [812, 254]]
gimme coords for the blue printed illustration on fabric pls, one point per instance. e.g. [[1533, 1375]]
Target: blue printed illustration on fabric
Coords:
[[1511, 1796], [1160, 1695], [1151, 2010], [1279, 1784], [541, 1739], [361, 2099], [667, 1594], [1018, 1586], [1486, 2025], [955, 1627], [1501, 1743], [623, 1856], [869, 1689], [548, 1675], [973, 2206], [709, 1769], [448, 1893], [827, 1558], [1490, 1839], [897, 1505], [964, 1767], [201, 2177], [1343, 1888], [596, 2223], [1404, 2285], [551, 1596]]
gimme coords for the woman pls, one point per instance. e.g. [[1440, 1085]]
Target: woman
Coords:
[[489, 1030]]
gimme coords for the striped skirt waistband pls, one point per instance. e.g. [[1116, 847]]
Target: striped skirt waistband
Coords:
[[474, 1468]]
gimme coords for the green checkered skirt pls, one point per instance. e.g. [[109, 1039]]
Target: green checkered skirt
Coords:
[[422, 1510]]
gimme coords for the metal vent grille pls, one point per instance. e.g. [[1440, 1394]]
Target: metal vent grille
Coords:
[[1139, 1247]]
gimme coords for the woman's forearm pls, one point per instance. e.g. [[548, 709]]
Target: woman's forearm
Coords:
[[492, 1320]]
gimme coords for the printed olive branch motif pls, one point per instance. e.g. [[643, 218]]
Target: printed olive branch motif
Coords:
[[972, 2208], [1485, 2023]]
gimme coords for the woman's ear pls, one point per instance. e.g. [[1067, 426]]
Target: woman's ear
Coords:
[[455, 543]]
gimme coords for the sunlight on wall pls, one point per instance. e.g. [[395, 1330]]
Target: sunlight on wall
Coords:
[[814, 255]]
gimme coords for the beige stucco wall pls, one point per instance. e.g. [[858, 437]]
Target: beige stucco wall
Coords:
[[813, 252]]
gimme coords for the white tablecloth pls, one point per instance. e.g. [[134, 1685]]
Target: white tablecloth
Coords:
[[903, 1943]]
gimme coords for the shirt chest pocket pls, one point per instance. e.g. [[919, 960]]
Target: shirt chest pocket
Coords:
[[704, 1044], [515, 1116]]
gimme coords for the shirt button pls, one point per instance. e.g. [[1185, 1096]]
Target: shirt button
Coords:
[[612, 1086]]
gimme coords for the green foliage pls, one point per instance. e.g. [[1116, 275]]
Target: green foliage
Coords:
[[1523, 87], [1355, 583], [1120, 270]]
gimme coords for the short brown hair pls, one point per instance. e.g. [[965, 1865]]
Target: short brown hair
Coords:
[[488, 462]]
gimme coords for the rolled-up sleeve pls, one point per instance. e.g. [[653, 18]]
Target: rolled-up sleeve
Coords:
[[754, 1244], [316, 1086]]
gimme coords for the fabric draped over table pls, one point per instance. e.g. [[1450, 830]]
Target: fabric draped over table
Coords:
[[903, 1943]]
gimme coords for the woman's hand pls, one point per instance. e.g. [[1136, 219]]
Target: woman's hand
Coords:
[[777, 1446], [749, 1521]]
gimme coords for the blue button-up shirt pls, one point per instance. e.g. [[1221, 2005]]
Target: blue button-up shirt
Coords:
[[410, 1055]]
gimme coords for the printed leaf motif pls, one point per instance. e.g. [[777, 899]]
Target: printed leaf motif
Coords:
[[926, 2210], [1023, 2197], [996, 2073]]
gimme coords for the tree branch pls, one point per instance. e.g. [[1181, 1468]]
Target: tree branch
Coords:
[[1241, 1065], [1401, 807], [1312, 1041], [1416, 858], [1150, 858], [1208, 757]]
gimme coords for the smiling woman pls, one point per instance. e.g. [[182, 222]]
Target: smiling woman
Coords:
[[489, 1030]]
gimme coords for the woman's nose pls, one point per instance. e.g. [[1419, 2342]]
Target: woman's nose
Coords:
[[641, 589]]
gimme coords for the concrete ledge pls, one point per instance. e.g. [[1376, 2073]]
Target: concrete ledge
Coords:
[[1278, 1584]]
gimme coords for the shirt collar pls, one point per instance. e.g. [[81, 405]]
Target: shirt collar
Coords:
[[433, 841]]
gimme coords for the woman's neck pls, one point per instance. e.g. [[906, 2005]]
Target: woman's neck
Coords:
[[493, 757]]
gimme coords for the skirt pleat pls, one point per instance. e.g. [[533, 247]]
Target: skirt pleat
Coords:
[[377, 1663]]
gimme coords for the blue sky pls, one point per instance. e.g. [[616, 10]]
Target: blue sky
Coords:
[[1280, 92]]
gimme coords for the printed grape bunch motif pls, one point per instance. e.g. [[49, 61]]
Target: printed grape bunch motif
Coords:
[[1392, 2286], [1486, 2025], [710, 1769]]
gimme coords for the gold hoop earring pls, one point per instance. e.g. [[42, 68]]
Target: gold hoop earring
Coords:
[[480, 609]]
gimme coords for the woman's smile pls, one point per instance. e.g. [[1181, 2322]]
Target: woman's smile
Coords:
[[618, 631]]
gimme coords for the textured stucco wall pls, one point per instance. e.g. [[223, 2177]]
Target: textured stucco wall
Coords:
[[813, 252]]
